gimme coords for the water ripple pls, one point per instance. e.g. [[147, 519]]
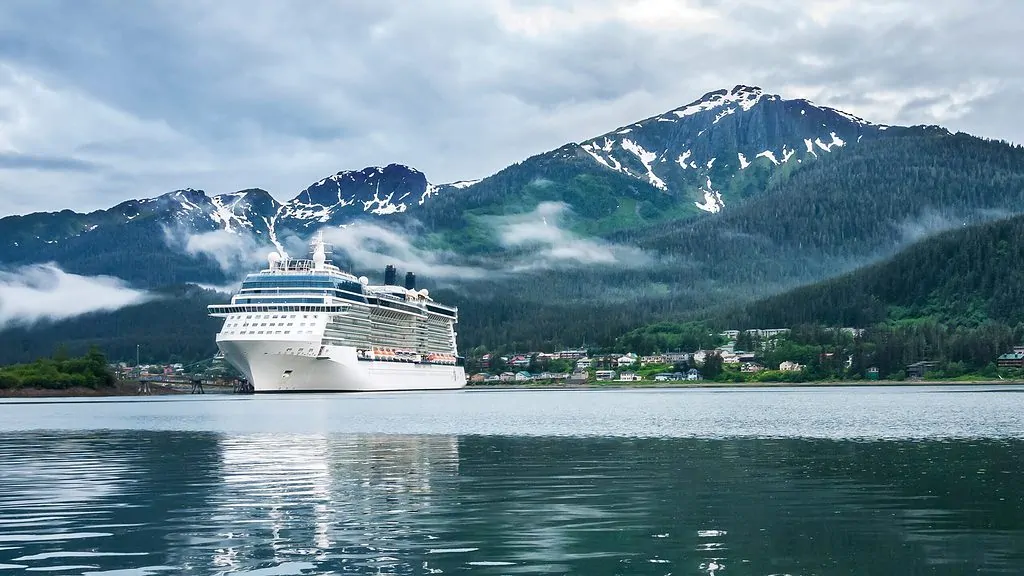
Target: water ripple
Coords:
[[141, 501]]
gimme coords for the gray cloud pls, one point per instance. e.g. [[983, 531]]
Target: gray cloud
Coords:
[[369, 247], [551, 245], [45, 292], [235, 253], [9, 161], [236, 94]]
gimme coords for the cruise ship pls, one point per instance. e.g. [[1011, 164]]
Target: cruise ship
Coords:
[[305, 325]]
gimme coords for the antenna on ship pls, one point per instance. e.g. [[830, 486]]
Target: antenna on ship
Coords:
[[322, 251], [319, 254]]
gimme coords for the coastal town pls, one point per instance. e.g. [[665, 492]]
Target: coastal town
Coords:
[[580, 366]]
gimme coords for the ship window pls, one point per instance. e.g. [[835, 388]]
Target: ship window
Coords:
[[260, 332], [287, 331]]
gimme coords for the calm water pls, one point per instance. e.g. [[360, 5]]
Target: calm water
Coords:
[[713, 482]]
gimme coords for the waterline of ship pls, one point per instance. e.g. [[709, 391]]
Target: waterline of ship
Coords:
[[305, 325]]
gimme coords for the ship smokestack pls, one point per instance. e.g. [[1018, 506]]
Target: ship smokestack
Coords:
[[410, 281], [390, 275]]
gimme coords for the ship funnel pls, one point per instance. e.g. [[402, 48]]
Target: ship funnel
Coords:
[[390, 275], [410, 281]]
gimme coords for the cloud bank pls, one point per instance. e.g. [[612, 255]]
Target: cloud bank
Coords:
[[370, 247], [233, 252], [45, 292], [551, 245], [536, 240], [183, 95]]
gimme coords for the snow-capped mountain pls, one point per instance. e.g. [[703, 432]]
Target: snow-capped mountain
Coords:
[[714, 152], [393, 189], [699, 148], [374, 192]]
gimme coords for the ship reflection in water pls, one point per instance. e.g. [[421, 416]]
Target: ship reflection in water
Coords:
[[206, 503]]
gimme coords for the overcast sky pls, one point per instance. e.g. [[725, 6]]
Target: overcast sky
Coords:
[[102, 101]]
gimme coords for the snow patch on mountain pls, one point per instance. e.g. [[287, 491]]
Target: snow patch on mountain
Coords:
[[723, 114], [463, 183], [428, 192], [226, 208], [743, 160], [810, 147], [645, 158], [787, 153], [769, 155], [744, 97], [712, 199]]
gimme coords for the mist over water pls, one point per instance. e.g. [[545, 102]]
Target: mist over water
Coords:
[[838, 481]]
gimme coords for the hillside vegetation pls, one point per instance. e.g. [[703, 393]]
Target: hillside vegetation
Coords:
[[963, 277], [59, 372]]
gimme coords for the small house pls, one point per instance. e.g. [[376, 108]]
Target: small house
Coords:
[[523, 376], [627, 360], [653, 359], [917, 370], [1013, 359], [694, 374], [788, 366], [604, 375], [629, 377]]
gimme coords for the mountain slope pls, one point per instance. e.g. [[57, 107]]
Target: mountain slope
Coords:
[[966, 276], [722, 148], [709, 145], [802, 193]]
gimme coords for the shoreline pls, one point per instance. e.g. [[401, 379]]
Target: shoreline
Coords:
[[710, 384], [118, 389], [129, 390]]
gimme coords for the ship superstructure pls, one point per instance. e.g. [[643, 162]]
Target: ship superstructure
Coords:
[[307, 325]]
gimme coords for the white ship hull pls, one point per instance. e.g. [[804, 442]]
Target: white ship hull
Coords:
[[272, 366]]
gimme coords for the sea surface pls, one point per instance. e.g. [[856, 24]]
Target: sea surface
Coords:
[[808, 481]]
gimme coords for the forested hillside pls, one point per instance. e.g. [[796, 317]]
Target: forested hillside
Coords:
[[964, 277], [858, 206], [174, 327], [689, 214]]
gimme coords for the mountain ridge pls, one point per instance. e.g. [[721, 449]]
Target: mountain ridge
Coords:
[[788, 213], [396, 190]]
